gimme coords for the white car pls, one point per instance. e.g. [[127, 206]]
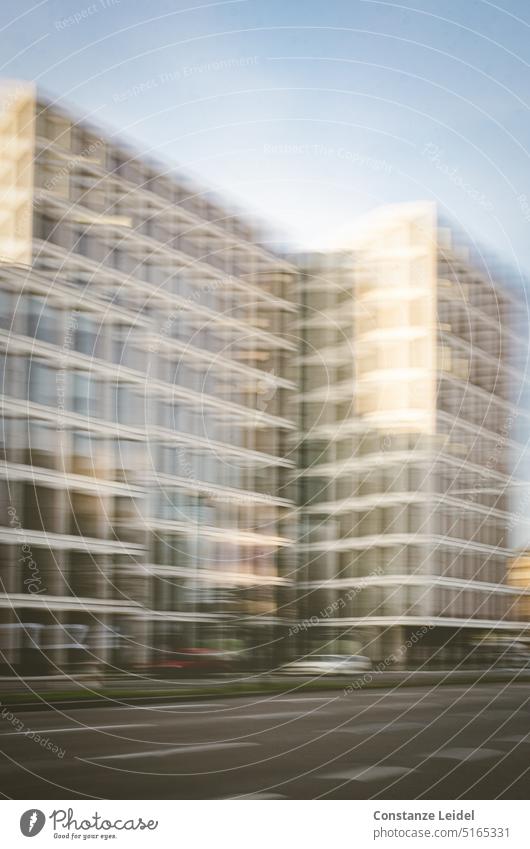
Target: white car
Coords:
[[328, 664]]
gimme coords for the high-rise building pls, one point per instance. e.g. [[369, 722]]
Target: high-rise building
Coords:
[[519, 576], [145, 354], [414, 417], [150, 422]]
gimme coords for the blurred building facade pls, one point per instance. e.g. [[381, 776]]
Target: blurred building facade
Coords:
[[145, 383], [411, 394], [159, 461], [519, 576]]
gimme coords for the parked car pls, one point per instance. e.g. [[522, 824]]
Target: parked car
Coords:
[[193, 661], [328, 664]]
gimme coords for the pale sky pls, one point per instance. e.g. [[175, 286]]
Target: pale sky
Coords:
[[309, 113]]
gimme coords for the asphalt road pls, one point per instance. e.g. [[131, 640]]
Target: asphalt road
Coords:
[[444, 742]]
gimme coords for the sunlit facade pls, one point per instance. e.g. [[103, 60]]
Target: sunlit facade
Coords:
[[414, 422], [145, 386], [519, 576]]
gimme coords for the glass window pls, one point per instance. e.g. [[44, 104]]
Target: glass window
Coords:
[[87, 456], [124, 351], [42, 445], [87, 335], [6, 309], [129, 458], [44, 387], [43, 320]]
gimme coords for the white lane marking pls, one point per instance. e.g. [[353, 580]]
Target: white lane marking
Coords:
[[282, 715], [237, 717], [257, 796], [174, 750], [295, 699], [379, 728], [516, 738], [181, 706], [458, 754], [74, 728], [484, 714], [368, 773]]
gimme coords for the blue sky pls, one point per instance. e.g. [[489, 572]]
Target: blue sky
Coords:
[[309, 113]]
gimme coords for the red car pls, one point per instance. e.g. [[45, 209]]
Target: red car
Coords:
[[190, 662]]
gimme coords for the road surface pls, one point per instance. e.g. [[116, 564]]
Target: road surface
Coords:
[[443, 742]]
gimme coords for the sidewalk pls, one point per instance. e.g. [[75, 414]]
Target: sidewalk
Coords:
[[41, 693]]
